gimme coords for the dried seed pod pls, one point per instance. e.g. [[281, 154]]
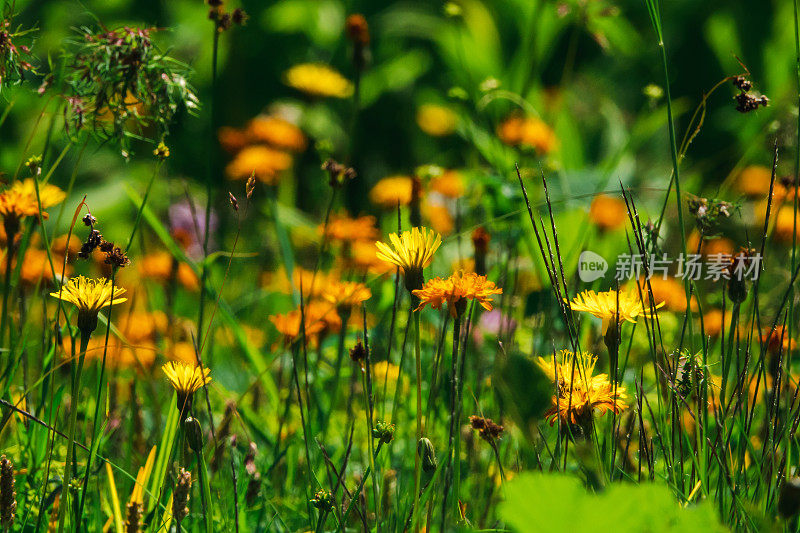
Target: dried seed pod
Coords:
[[180, 496], [133, 518], [8, 502]]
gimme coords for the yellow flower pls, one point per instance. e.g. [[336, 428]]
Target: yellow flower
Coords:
[[277, 132], [436, 120], [266, 163], [608, 212], [754, 181], [384, 370], [580, 393], [19, 200], [186, 379], [413, 251], [89, 296], [603, 305], [346, 293], [316, 79], [391, 191], [455, 291]]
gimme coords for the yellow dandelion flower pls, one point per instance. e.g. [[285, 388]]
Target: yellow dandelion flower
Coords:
[[391, 191], [19, 201], [186, 379], [436, 120], [89, 296], [603, 305], [608, 212], [455, 291], [276, 132], [412, 251], [316, 79], [579, 393], [266, 163]]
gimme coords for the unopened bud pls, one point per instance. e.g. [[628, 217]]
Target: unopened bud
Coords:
[[194, 433], [428, 455]]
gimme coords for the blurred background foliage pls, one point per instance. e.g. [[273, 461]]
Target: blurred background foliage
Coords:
[[582, 65]]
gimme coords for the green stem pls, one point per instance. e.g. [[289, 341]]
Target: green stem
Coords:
[[73, 419], [368, 414], [361, 485], [417, 470], [94, 445]]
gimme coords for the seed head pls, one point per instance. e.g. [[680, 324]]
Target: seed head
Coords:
[[8, 502]]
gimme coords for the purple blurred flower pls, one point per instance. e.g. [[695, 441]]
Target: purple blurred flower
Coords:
[[188, 225], [493, 323]]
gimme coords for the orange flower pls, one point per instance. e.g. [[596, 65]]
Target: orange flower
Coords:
[[670, 291], [346, 229], [312, 284], [162, 266], [391, 191], [455, 291], [346, 294], [266, 163], [439, 217], [35, 267], [754, 181], [608, 212], [777, 340], [231, 139], [319, 318], [276, 132], [712, 322], [531, 132], [363, 257], [448, 184]]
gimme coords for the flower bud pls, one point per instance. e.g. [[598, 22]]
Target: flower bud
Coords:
[[194, 433], [428, 455]]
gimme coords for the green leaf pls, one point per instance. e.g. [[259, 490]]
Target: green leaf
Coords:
[[555, 502]]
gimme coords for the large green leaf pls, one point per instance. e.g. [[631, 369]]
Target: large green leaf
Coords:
[[555, 502]]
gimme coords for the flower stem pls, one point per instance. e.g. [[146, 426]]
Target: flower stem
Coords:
[[73, 418], [417, 471]]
